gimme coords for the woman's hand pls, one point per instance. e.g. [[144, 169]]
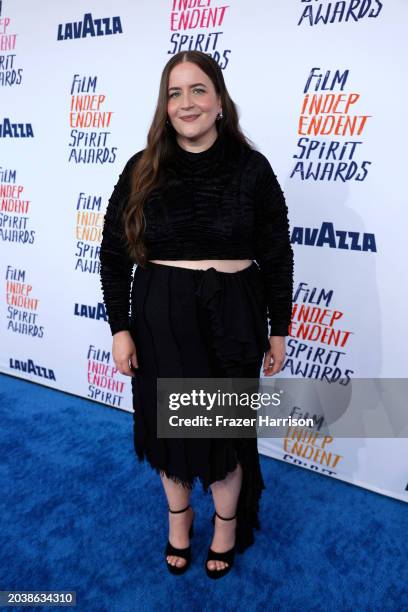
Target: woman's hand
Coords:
[[123, 352], [274, 358]]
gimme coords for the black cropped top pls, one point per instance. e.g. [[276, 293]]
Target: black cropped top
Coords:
[[221, 203]]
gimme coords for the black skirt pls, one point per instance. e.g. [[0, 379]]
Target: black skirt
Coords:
[[193, 323]]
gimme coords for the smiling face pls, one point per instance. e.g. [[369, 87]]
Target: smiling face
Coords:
[[193, 105]]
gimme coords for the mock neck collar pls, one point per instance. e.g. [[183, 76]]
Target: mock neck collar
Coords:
[[206, 155]]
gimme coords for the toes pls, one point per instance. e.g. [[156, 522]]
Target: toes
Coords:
[[221, 565], [178, 561], [217, 565]]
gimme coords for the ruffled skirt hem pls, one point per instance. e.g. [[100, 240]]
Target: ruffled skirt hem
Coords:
[[245, 454]]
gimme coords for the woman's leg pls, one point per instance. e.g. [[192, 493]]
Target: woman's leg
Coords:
[[225, 494], [179, 524]]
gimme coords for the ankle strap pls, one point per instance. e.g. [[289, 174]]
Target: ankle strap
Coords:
[[177, 511], [225, 519]]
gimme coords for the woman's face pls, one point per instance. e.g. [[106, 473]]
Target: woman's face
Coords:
[[191, 92]]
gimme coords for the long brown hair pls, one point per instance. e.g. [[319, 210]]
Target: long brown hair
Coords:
[[146, 173]]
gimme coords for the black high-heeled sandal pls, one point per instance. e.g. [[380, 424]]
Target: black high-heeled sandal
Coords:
[[184, 553], [227, 557]]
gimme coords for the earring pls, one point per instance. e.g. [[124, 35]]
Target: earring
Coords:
[[220, 115]]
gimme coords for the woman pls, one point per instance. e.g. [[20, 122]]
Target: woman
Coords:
[[193, 210]]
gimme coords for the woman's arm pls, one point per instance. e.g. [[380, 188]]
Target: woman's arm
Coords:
[[273, 250], [116, 267]]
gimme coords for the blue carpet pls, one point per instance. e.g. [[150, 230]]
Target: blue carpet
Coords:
[[78, 512]]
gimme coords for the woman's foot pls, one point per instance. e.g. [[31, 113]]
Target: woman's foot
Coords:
[[223, 540], [179, 526]]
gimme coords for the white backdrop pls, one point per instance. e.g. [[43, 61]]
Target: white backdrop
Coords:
[[347, 204]]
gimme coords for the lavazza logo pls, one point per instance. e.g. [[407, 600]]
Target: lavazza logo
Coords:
[[327, 235], [8, 129], [89, 26], [90, 311]]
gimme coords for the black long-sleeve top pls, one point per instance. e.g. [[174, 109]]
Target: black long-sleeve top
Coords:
[[221, 203]]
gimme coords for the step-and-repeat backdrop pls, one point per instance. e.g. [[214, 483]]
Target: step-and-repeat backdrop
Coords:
[[320, 91]]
